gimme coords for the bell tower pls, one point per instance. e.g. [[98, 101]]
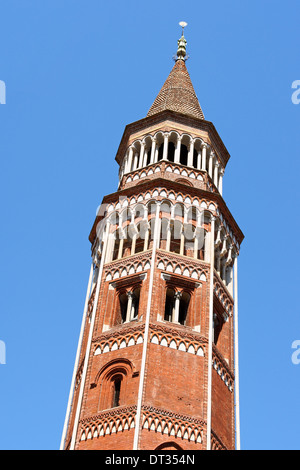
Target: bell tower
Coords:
[[157, 359]]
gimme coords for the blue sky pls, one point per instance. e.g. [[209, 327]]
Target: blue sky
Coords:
[[76, 72]]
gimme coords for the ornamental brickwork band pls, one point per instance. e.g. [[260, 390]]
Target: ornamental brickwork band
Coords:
[[157, 359]]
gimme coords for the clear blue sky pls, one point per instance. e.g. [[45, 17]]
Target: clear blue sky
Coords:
[[76, 72]]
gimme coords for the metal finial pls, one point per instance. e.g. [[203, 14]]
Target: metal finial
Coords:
[[181, 51], [183, 24]]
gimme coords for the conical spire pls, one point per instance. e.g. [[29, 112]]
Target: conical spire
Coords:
[[177, 93]]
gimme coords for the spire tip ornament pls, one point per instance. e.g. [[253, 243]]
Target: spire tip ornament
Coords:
[[183, 24], [181, 50]]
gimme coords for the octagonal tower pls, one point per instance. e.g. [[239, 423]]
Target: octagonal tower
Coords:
[[157, 356]]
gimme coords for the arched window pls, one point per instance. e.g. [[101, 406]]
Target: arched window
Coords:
[[169, 446], [116, 389], [175, 229], [140, 239], [164, 227], [135, 304], [183, 155], [195, 158], [176, 306], [169, 304], [127, 243], [183, 307], [217, 327], [160, 152], [112, 381], [129, 305], [171, 152], [148, 156], [200, 234], [116, 245], [123, 299]]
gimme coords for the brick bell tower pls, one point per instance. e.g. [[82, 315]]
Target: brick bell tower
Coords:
[[157, 359]]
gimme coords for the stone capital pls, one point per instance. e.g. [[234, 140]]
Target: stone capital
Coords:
[[178, 295]]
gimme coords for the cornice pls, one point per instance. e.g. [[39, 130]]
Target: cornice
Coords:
[[173, 185]]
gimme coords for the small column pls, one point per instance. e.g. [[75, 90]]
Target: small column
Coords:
[[218, 239], [168, 242], [182, 241], [146, 241], [207, 243], [196, 246], [145, 159], [165, 151], [127, 167], [229, 256], [129, 306], [146, 225], [120, 252], [191, 154], [177, 150], [135, 161], [199, 160], [129, 160], [156, 154], [221, 174], [110, 247], [153, 147], [158, 232], [204, 147], [224, 246], [216, 174], [210, 164], [141, 158], [229, 279], [177, 305], [133, 244]]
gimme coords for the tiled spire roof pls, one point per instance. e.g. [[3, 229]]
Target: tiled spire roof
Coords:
[[177, 93]]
